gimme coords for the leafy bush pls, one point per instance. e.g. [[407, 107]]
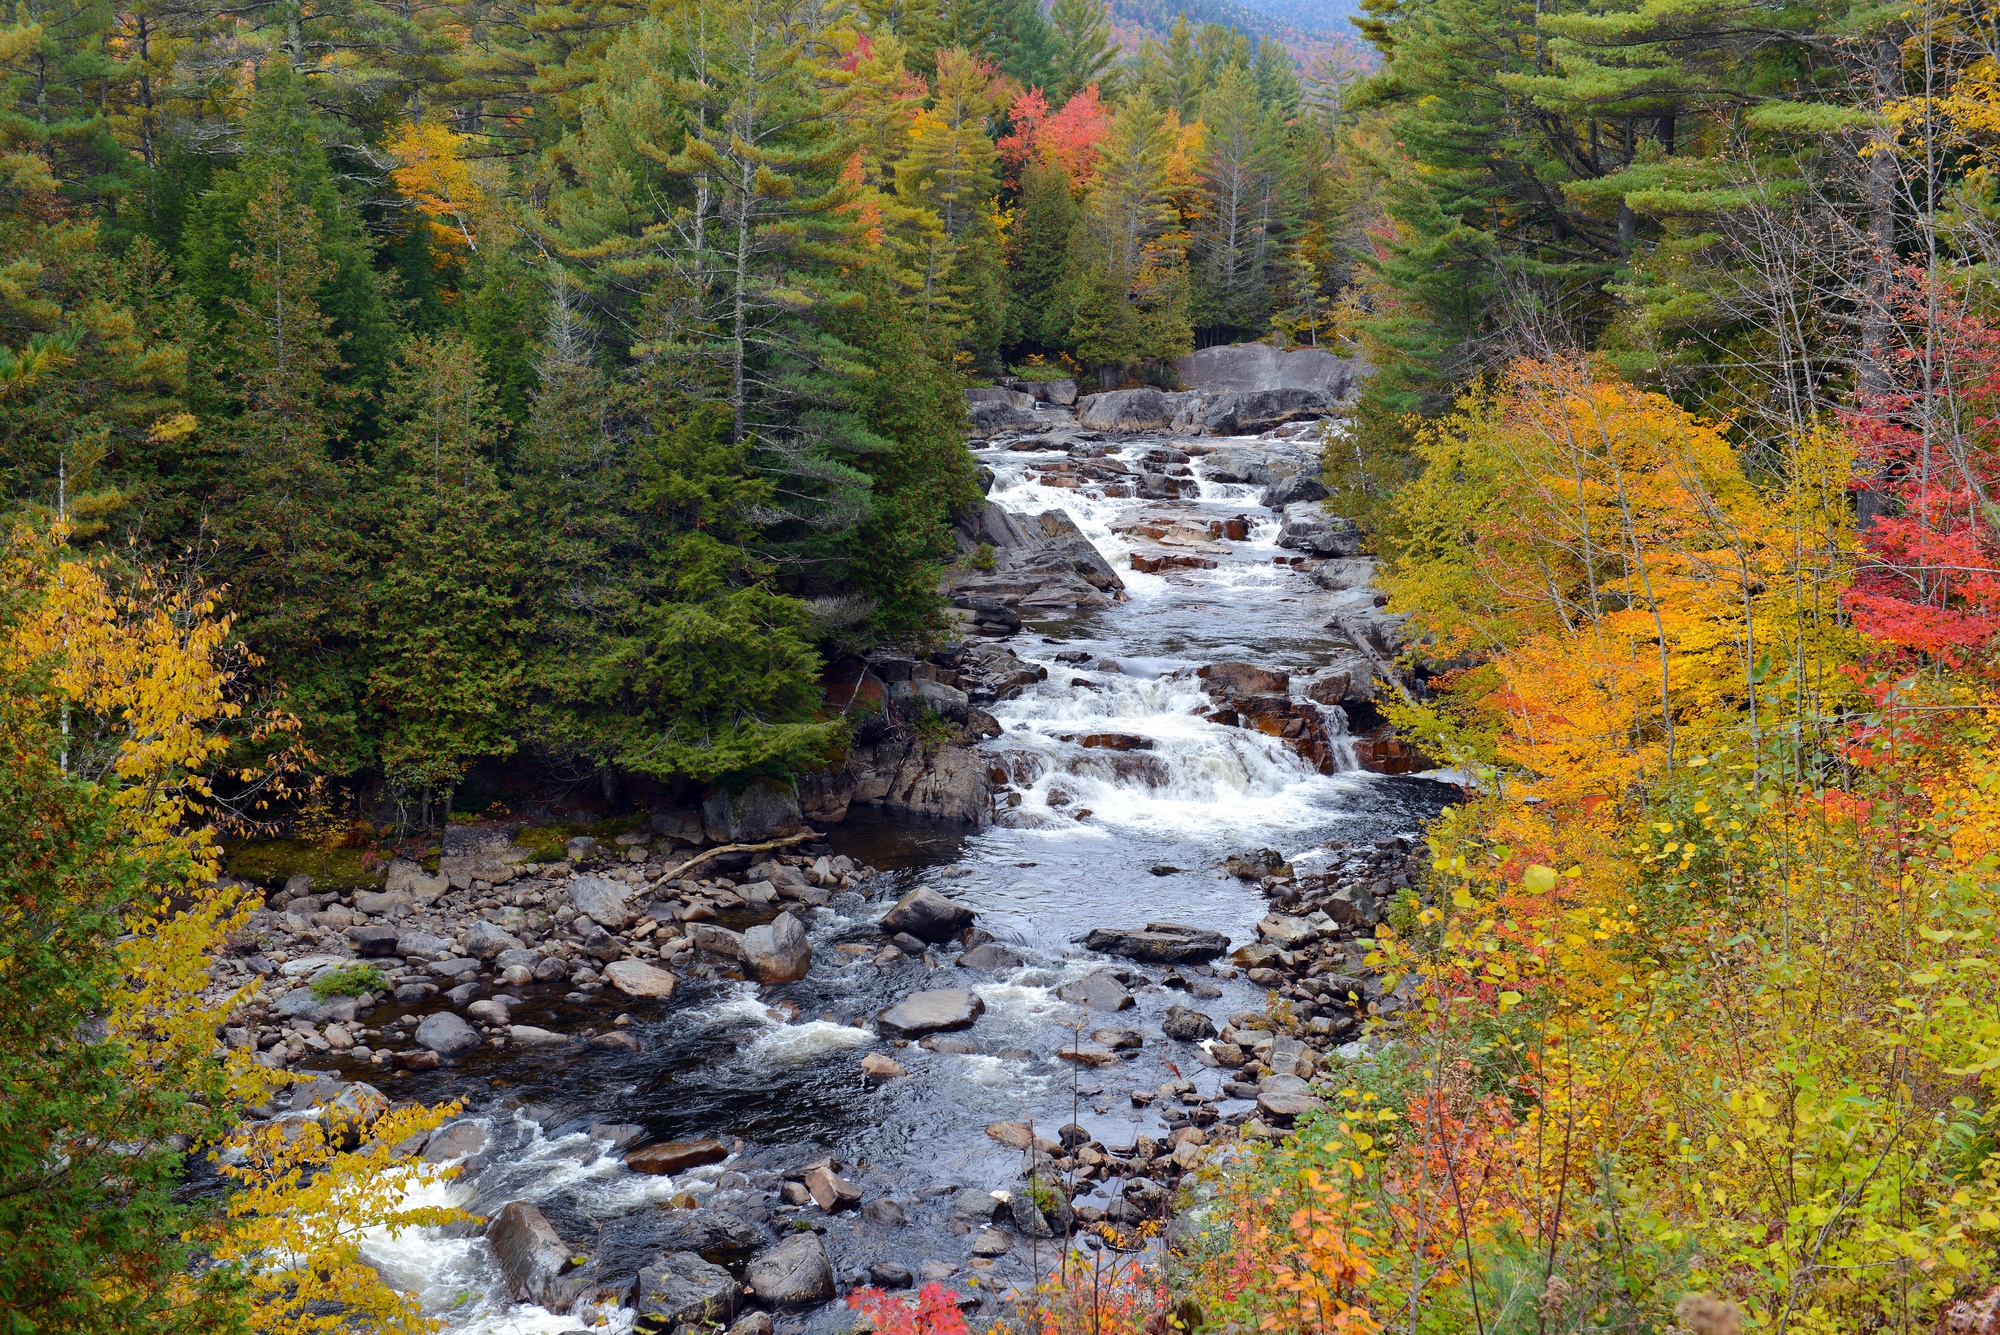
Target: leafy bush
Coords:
[[983, 557], [349, 980]]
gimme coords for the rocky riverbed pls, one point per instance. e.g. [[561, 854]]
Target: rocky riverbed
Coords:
[[1086, 905]]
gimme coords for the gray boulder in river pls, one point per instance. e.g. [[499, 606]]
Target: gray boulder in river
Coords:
[[1160, 942]]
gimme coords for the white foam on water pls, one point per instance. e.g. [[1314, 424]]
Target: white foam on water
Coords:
[[796, 1044]]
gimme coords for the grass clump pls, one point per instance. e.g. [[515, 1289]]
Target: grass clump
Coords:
[[349, 980]]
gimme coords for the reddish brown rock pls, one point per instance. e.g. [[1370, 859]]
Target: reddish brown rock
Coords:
[[676, 1156]]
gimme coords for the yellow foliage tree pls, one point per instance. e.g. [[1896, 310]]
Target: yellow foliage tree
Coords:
[[143, 677]]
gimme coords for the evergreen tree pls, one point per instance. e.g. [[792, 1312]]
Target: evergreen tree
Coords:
[[444, 615], [1045, 215], [1244, 188], [1084, 46], [283, 503]]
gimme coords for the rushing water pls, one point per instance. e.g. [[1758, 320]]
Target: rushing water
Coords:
[[776, 1070]]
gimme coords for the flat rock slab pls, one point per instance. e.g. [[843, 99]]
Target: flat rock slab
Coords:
[[1088, 1054], [1159, 943], [1282, 1106], [676, 1156], [1098, 991], [933, 1012], [635, 978], [991, 957]]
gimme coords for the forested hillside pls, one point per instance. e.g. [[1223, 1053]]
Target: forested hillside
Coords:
[[568, 382]]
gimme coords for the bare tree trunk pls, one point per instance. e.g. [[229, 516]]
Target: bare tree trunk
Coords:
[[1874, 379]]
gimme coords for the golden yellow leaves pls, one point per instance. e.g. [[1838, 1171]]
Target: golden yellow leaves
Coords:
[[305, 1206], [459, 194]]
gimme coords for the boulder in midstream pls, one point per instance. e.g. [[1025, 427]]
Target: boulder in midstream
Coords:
[[932, 1012]]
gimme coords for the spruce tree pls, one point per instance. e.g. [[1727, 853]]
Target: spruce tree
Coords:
[[444, 613]]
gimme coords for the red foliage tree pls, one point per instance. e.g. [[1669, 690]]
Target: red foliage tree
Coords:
[[1929, 581], [1067, 139]]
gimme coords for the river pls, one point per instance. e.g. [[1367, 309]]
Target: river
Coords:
[[774, 1072]]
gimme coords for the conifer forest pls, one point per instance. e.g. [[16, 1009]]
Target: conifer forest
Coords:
[[792, 667]]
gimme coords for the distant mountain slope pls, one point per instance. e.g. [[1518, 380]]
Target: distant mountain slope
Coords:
[[1316, 32]]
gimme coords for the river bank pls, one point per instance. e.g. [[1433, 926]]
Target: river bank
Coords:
[[1122, 771]]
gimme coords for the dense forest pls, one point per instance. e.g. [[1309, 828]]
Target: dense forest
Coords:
[[568, 382], [387, 389]]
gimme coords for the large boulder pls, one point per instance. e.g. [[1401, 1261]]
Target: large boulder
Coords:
[[764, 809], [1288, 491], [1308, 528], [795, 1273], [1247, 412], [777, 952], [424, 945], [603, 902], [483, 940], [1256, 366], [1236, 681], [1099, 991], [993, 418], [1013, 398], [1126, 410], [1236, 465], [681, 1289], [931, 1012], [927, 915], [1187, 1024], [946, 702], [446, 1034], [1159, 943], [636, 978], [532, 1256]]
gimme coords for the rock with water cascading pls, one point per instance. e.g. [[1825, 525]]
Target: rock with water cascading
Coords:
[[532, 1257], [795, 1273], [1099, 991], [676, 1156], [991, 957], [927, 915], [1159, 942]]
